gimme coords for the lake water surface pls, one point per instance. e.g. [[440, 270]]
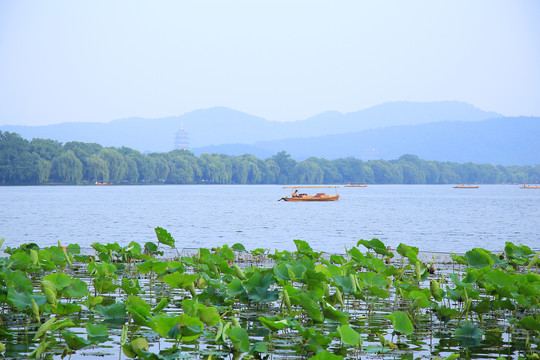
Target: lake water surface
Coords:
[[435, 218]]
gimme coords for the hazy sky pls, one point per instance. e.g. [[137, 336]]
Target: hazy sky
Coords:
[[63, 61]]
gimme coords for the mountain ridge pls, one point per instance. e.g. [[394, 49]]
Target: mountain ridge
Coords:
[[221, 125], [500, 141]]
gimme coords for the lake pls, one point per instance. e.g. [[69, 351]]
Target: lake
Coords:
[[434, 218]]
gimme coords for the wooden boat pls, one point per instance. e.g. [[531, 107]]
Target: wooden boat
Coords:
[[525, 186], [466, 186], [305, 197], [356, 184]]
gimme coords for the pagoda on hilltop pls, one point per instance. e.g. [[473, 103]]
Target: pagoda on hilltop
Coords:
[[181, 140]]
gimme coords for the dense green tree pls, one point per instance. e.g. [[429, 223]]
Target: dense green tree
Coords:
[[42, 160], [270, 172], [46, 149], [115, 163], [17, 164], [180, 172], [385, 172], [43, 171], [66, 168], [96, 169], [286, 165], [331, 173], [307, 172]]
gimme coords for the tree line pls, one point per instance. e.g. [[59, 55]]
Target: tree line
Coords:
[[44, 161]]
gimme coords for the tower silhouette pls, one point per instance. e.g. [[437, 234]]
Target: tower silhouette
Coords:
[[181, 140]]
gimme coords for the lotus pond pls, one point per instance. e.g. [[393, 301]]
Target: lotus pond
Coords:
[[151, 302]]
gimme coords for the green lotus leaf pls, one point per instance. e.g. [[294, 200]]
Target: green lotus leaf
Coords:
[[113, 311], [517, 252], [236, 289], [478, 258], [409, 252], [164, 237], [23, 300], [66, 308], [500, 278], [273, 323], [76, 289], [238, 247], [18, 281], [326, 355], [468, 334], [160, 306], [401, 322], [530, 323], [345, 283], [239, 338], [75, 342], [259, 348], [330, 313], [349, 336], [177, 280], [376, 245], [61, 324], [97, 333]]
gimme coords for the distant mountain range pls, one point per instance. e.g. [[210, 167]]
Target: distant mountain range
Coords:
[[500, 141], [445, 131]]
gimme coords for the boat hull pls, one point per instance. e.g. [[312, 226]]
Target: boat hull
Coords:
[[312, 198]]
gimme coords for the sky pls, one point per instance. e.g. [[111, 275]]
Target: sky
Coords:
[[101, 60]]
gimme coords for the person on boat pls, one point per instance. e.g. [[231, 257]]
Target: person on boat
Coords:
[[295, 193]]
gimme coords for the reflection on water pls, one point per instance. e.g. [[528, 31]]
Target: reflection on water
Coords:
[[431, 217]]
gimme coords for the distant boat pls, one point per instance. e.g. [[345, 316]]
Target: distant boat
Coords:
[[295, 196], [459, 186], [356, 184], [525, 186]]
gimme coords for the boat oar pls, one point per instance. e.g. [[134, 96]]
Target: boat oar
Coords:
[[281, 199]]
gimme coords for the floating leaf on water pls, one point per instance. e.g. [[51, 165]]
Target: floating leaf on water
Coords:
[[468, 334]]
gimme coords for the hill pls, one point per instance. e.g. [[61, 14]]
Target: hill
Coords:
[[220, 125], [500, 141]]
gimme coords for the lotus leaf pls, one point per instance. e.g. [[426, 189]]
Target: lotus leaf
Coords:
[[97, 333], [349, 336], [76, 289], [66, 308], [273, 323], [468, 334], [164, 237], [376, 245], [409, 252], [401, 322], [238, 247], [239, 338], [478, 258], [113, 311], [75, 342], [23, 300], [331, 313], [530, 323]]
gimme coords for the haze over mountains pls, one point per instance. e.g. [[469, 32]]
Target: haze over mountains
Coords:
[[443, 131]]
